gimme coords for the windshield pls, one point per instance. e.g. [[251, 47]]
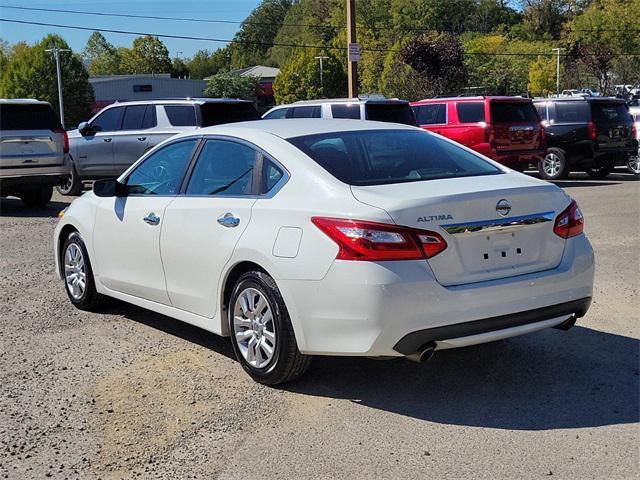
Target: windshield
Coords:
[[379, 157], [391, 112]]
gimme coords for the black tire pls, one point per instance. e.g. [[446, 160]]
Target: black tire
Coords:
[[287, 363], [90, 299], [554, 165], [633, 163], [73, 186], [36, 197], [600, 171]]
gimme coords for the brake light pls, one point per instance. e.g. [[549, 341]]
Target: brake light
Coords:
[[372, 241], [65, 147], [489, 135], [634, 131], [570, 222], [592, 131]]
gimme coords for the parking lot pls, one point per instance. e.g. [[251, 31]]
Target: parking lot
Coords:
[[128, 393]]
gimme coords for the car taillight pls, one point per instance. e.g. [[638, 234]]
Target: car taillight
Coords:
[[65, 147], [372, 241], [592, 131], [489, 135], [634, 131], [570, 222]]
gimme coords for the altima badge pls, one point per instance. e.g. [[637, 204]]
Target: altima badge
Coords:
[[503, 207]]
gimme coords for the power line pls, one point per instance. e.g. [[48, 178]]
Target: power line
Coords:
[[266, 44]]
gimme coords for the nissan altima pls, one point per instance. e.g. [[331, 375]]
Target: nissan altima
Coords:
[[329, 237]]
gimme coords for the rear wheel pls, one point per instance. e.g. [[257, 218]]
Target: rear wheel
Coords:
[[601, 170], [633, 163], [554, 165], [261, 332], [78, 275], [72, 185], [36, 197]]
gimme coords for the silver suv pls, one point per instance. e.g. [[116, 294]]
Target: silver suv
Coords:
[[119, 134], [33, 149], [365, 108]]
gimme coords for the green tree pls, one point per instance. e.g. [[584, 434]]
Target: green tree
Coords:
[[103, 57], [299, 77], [398, 79], [148, 55], [229, 85], [542, 76], [31, 73], [205, 64], [179, 69]]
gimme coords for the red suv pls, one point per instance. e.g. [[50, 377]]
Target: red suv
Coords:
[[505, 129]]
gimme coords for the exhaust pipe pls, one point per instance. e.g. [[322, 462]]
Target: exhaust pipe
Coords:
[[423, 354]]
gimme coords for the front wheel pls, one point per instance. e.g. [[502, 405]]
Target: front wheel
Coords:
[[554, 165], [261, 332], [78, 275], [633, 163]]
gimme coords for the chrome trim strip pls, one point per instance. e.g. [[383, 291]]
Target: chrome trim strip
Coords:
[[498, 224]]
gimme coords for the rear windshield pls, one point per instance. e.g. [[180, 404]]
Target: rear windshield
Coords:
[[218, 113], [391, 112], [380, 157], [28, 117], [610, 112], [513, 112]]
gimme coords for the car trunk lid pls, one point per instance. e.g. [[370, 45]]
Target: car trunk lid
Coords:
[[482, 244], [516, 126]]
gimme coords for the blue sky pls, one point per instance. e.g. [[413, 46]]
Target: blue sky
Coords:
[[209, 9]]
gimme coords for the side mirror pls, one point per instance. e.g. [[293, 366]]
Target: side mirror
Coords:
[[109, 187], [84, 128]]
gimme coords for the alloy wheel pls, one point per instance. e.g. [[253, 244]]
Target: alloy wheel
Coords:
[[633, 164], [75, 271], [254, 328], [551, 164]]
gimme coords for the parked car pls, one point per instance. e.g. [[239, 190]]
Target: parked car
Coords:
[[505, 129], [332, 237], [376, 108], [633, 163], [591, 134], [119, 134], [572, 93], [589, 93], [33, 148]]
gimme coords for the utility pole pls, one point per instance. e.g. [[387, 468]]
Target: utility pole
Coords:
[[56, 53], [321, 58], [557, 50], [353, 49]]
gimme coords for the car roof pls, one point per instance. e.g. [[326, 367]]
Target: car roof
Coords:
[[579, 99], [23, 101], [372, 100], [471, 98], [179, 101], [298, 127]]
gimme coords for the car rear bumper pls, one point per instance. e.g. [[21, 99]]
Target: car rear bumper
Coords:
[[12, 178], [367, 309]]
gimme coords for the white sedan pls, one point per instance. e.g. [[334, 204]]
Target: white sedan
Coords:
[[329, 237]]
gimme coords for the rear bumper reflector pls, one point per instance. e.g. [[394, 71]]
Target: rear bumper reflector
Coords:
[[411, 342]]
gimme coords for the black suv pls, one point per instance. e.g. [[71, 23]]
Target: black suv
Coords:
[[589, 134]]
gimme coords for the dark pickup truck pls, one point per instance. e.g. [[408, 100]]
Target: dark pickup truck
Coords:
[[591, 134]]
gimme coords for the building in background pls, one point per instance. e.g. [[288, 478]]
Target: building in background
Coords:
[[266, 77], [112, 88]]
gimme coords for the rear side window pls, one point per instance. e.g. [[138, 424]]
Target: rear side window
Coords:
[[108, 120], [271, 175], [390, 112], [513, 112], [432, 114], [379, 157], [28, 117], [570, 112], [470, 112], [610, 112], [277, 114], [181, 115], [311, 111], [346, 110], [215, 113]]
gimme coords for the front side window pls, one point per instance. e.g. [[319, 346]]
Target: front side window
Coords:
[[346, 110], [379, 157], [432, 114], [161, 173], [108, 121], [470, 112], [133, 117], [223, 168], [181, 115]]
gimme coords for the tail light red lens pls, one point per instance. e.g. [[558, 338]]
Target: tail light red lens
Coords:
[[570, 222], [65, 147], [592, 131], [372, 241], [634, 131]]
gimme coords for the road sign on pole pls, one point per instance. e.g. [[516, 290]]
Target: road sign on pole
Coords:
[[354, 52]]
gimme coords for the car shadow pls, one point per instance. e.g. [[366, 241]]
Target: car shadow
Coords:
[[547, 380], [13, 207]]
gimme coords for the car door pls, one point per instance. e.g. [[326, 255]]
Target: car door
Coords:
[[202, 227], [95, 147], [132, 140], [127, 229]]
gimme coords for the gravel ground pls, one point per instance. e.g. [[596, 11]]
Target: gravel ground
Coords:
[[127, 393]]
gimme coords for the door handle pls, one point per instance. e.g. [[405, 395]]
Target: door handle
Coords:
[[152, 219], [106, 140], [142, 139], [228, 220]]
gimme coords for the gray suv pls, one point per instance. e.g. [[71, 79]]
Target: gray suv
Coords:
[[119, 134], [33, 149]]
